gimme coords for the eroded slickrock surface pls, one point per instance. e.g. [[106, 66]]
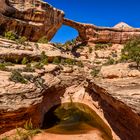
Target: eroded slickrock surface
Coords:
[[113, 95]]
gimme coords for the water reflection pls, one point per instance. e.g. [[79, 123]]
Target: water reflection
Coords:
[[75, 118]]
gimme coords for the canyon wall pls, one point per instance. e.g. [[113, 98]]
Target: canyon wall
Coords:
[[89, 33], [32, 19]]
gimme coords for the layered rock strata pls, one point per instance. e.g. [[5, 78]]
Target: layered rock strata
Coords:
[[29, 19]]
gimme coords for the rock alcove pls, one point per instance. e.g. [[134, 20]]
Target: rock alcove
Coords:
[[75, 118]]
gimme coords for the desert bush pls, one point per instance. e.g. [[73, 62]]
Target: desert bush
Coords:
[[69, 61], [36, 45], [43, 40], [79, 64], [56, 60], [95, 72], [38, 65], [24, 61], [28, 68], [131, 51], [69, 44], [2, 66], [5, 138], [10, 35], [44, 58], [124, 58], [102, 46], [110, 61], [90, 49], [97, 62], [28, 134], [22, 40], [17, 77], [58, 45]]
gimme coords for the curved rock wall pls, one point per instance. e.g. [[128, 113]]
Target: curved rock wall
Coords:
[[33, 21], [89, 33]]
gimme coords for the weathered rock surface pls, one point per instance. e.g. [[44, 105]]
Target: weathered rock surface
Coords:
[[10, 51], [91, 34], [120, 70], [121, 97], [31, 21]]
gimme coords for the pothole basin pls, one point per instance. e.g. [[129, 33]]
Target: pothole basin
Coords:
[[75, 118]]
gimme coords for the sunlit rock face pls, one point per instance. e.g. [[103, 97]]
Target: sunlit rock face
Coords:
[[33, 19]]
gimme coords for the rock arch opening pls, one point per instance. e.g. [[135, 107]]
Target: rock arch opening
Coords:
[[64, 34]]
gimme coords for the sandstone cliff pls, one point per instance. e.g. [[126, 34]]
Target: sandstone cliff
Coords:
[[28, 19]]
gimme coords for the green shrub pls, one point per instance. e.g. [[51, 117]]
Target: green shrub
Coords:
[[69, 44], [29, 133], [28, 125], [95, 72], [9, 64], [43, 55], [5, 138], [2, 66], [24, 61], [38, 65], [110, 61], [56, 60], [62, 61], [36, 45], [69, 61], [22, 40], [90, 49], [58, 45], [80, 64], [132, 51], [97, 62], [43, 40], [10, 35], [102, 46], [28, 68], [17, 77], [124, 58], [45, 61], [44, 58]]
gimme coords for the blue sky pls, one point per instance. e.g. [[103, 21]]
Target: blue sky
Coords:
[[98, 12]]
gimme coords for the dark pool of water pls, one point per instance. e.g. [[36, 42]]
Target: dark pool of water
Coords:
[[75, 118]]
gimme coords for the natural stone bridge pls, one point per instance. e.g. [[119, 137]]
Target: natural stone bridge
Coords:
[[35, 19], [89, 33]]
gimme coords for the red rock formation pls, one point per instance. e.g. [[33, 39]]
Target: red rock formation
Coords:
[[32, 21], [89, 33]]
